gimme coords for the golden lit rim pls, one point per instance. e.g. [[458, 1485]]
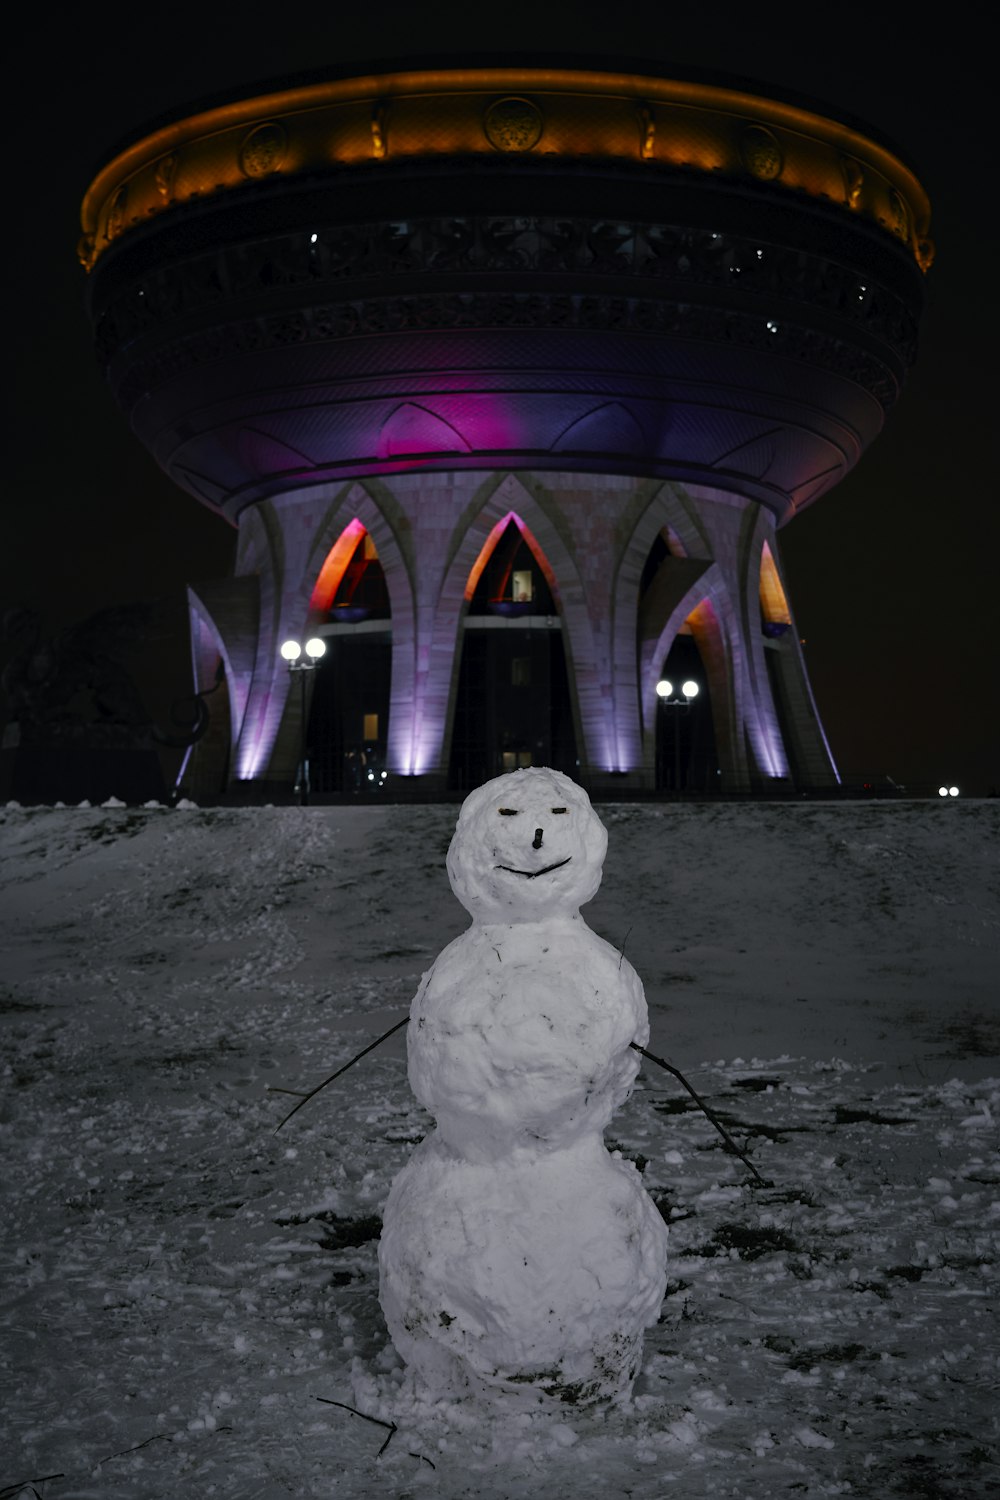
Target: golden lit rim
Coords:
[[702, 127]]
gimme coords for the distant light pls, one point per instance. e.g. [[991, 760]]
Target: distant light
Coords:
[[316, 647], [772, 326], [690, 689], [313, 238], [371, 775], [953, 791], [291, 650], [942, 791], [664, 688]]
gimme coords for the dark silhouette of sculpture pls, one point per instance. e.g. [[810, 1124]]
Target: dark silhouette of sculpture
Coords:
[[76, 723]]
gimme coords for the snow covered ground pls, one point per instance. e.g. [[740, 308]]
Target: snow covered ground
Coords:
[[185, 1292]]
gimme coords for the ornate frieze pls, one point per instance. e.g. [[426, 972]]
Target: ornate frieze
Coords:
[[503, 310], [668, 263], [710, 131]]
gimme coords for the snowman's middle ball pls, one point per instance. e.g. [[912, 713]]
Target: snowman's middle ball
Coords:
[[520, 1036]]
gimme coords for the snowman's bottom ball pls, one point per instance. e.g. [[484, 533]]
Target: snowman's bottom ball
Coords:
[[537, 1275]]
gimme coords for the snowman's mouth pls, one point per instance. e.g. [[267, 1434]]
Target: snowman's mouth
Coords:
[[533, 874]]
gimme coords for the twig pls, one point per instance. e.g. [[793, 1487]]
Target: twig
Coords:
[[12, 1489], [621, 950], [157, 1437], [705, 1109], [377, 1420], [313, 1092]]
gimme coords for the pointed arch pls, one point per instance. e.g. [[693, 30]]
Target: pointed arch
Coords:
[[667, 514], [608, 428], [355, 510], [334, 567], [412, 428], [469, 551], [704, 591], [490, 545], [288, 563]]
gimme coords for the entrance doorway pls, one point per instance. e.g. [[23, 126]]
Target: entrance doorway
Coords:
[[512, 706]]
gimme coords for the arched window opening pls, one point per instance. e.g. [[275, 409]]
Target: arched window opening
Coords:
[[349, 709], [351, 585], [686, 756], [512, 704], [512, 581]]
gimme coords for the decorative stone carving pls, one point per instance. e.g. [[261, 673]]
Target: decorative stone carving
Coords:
[[647, 126], [379, 148], [776, 144], [899, 219], [513, 124], [263, 150], [85, 251], [854, 180], [166, 171], [116, 213], [925, 254], [761, 153]]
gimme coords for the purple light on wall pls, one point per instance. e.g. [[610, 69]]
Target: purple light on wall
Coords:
[[768, 747], [259, 731], [248, 763], [420, 761]]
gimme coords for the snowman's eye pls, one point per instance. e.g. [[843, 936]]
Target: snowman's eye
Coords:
[[559, 809], [507, 812]]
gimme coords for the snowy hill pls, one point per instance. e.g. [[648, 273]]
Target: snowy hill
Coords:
[[183, 1289]]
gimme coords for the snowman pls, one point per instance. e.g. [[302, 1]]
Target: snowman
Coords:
[[518, 1257]]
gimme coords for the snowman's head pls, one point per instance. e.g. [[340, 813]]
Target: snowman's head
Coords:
[[526, 846]]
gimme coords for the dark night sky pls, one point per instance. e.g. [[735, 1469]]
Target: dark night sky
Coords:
[[893, 575]]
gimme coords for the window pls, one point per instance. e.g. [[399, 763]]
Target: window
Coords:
[[522, 586]]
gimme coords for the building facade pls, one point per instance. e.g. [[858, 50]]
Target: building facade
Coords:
[[508, 378]]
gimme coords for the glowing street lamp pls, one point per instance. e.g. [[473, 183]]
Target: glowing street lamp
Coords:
[[291, 651], [665, 694]]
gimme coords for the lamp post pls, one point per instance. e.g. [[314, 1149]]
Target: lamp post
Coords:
[[665, 694], [315, 650]]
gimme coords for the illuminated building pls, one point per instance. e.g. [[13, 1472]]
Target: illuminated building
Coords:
[[433, 339]]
